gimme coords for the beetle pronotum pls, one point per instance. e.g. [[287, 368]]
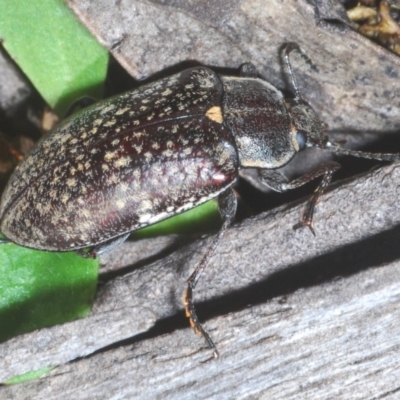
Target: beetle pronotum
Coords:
[[146, 155]]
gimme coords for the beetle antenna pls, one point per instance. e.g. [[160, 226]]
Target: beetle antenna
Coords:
[[335, 148], [287, 67]]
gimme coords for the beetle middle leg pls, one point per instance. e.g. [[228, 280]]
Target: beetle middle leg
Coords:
[[227, 204]]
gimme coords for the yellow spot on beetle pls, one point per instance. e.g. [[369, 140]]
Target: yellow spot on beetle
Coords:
[[114, 179], [64, 198], [106, 110], [110, 122], [148, 156], [71, 182], [215, 114], [122, 162], [168, 153], [110, 155], [122, 110], [138, 148], [145, 205], [120, 203]]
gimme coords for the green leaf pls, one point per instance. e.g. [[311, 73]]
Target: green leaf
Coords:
[[39, 288], [199, 219], [64, 62], [28, 376], [59, 56]]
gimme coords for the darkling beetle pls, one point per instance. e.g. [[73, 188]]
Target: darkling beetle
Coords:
[[146, 155]]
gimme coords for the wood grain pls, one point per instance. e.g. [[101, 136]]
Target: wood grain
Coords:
[[293, 316]]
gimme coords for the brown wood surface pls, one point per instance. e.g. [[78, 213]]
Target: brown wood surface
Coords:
[[293, 316], [357, 87]]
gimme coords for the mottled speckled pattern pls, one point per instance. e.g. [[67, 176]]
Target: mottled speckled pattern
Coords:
[[141, 157], [124, 163]]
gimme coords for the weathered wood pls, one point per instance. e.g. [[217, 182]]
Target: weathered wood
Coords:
[[294, 317], [338, 340], [285, 325], [357, 88]]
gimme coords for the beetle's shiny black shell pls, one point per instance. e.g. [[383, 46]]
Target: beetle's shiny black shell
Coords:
[[122, 164]]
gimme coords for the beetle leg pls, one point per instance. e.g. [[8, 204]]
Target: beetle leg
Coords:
[[104, 247], [308, 215], [287, 67], [276, 181], [79, 104], [248, 70], [265, 179], [227, 204]]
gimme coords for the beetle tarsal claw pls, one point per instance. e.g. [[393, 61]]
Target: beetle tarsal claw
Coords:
[[310, 226], [303, 224]]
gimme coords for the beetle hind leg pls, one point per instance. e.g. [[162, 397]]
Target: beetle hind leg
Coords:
[[227, 204], [104, 247]]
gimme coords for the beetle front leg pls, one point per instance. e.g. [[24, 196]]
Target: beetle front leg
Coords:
[[276, 181], [227, 204]]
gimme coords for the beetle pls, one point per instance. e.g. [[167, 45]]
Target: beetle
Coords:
[[149, 154]]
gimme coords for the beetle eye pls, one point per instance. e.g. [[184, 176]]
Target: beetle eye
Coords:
[[301, 138]]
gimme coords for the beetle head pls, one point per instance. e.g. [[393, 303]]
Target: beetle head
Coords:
[[309, 132], [306, 124]]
